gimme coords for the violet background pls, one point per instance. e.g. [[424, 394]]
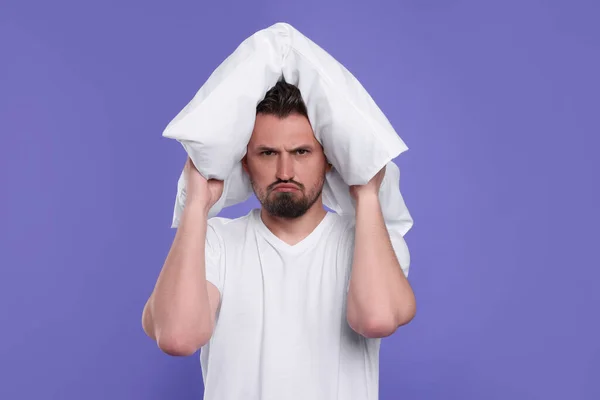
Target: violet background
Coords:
[[497, 102]]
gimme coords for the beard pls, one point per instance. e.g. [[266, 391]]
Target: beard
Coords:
[[288, 205]]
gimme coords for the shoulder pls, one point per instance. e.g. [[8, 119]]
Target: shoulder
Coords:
[[224, 227], [343, 229], [346, 222]]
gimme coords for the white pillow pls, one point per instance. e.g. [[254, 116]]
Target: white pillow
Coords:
[[357, 138]]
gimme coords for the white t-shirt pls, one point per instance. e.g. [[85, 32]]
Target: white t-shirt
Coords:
[[281, 331]]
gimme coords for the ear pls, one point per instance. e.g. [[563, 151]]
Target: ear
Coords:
[[245, 163]]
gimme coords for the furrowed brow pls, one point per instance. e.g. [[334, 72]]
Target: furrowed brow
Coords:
[[301, 147]]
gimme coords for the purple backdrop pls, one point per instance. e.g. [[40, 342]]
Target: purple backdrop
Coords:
[[498, 104]]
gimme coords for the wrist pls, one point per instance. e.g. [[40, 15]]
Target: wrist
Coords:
[[367, 198], [196, 208]]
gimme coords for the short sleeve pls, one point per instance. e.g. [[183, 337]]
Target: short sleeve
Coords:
[[214, 257], [347, 250], [401, 250]]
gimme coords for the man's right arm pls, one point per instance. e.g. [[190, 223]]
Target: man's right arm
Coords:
[[180, 313]]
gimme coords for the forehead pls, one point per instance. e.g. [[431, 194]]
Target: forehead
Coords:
[[270, 130]]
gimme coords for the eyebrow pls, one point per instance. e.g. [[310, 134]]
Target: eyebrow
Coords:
[[301, 147]]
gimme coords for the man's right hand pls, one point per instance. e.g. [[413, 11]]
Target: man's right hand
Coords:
[[199, 190]]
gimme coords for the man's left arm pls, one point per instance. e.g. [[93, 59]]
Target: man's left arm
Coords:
[[380, 298]]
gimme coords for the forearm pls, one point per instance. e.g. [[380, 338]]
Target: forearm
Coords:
[[379, 298], [178, 311]]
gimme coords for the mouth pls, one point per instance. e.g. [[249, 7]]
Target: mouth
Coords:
[[285, 188]]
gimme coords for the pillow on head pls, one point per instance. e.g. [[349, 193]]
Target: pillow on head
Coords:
[[357, 138], [216, 125]]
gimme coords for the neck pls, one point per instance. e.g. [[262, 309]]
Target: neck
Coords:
[[295, 229]]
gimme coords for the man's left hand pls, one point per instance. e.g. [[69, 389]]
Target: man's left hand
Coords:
[[370, 188]]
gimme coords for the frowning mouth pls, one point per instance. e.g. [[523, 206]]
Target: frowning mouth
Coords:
[[285, 188]]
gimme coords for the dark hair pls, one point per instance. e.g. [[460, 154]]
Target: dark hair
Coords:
[[282, 100]]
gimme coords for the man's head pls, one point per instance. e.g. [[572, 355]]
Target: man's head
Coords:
[[283, 150]]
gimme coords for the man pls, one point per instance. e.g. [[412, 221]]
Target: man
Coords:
[[290, 301]]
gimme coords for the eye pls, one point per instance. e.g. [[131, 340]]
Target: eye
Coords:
[[266, 152], [302, 151]]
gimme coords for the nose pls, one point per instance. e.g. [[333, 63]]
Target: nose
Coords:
[[285, 167]]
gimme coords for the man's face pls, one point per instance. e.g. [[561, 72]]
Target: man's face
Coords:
[[285, 151]]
